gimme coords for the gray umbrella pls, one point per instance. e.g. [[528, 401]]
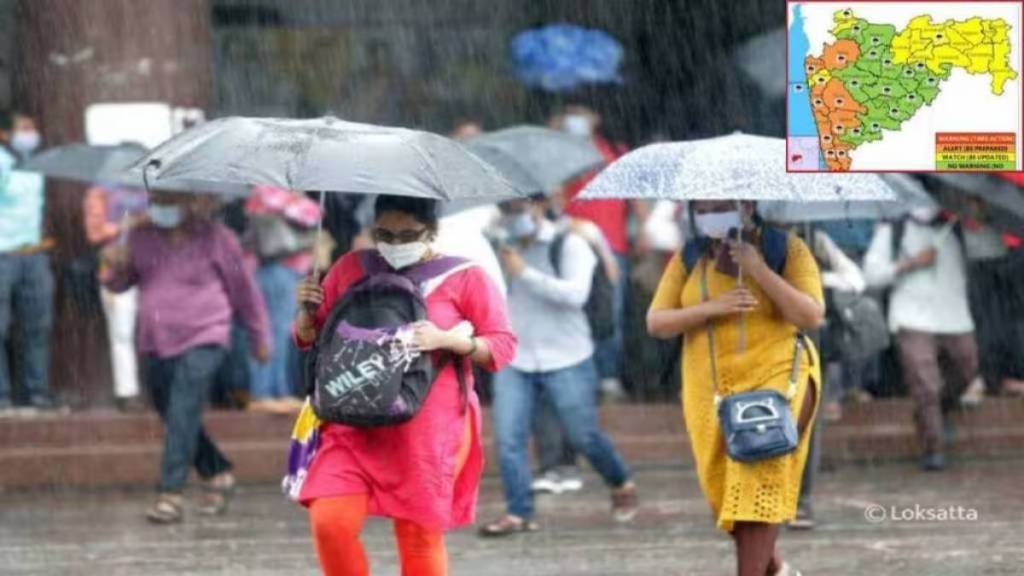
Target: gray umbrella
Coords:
[[1001, 201], [324, 154], [108, 164], [909, 191], [551, 157], [84, 162]]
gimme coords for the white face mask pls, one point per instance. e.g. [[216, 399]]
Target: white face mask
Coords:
[[520, 226], [165, 216], [577, 125], [25, 142], [399, 256], [718, 224]]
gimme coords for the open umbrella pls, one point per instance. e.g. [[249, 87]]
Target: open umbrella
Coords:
[[561, 57], [108, 164], [325, 154], [85, 162], [995, 200], [550, 157], [733, 167], [910, 194]]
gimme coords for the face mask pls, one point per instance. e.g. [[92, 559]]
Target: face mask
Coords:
[[399, 256], [577, 125], [925, 214], [25, 142], [718, 224], [165, 216], [520, 226]]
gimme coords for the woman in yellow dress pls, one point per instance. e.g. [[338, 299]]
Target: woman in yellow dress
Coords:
[[757, 316]]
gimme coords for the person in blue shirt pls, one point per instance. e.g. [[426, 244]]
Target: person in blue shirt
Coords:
[[26, 283]]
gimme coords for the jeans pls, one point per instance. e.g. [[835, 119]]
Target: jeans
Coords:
[[553, 452], [180, 386], [276, 378], [609, 351], [572, 391], [26, 302]]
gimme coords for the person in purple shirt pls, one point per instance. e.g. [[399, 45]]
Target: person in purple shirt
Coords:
[[192, 280]]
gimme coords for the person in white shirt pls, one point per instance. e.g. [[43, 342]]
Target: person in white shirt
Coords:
[[929, 313], [555, 355]]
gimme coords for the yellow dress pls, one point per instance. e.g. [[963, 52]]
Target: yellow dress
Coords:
[[767, 490]]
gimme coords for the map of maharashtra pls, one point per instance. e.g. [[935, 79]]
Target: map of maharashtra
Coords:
[[874, 77]]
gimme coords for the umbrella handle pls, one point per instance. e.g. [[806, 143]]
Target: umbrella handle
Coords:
[[319, 232], [742, 340]]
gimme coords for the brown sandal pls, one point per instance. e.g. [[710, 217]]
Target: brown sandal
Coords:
[[507, 526], [168, 509], [216, 495]]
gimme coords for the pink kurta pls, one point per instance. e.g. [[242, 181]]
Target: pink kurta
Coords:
[[410, 471]]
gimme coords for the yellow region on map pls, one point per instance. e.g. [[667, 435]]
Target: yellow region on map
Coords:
[[980, 46]]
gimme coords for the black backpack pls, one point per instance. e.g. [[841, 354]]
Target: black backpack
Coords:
[[362, 369], [600, 304]]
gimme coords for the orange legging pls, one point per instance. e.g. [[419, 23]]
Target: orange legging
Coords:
[[337, 521]]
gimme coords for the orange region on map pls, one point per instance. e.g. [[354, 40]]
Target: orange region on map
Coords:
[[835, 110], [841, 54]]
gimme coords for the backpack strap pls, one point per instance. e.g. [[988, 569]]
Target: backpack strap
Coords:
[[899, 227], [555, 252], [775, 248]]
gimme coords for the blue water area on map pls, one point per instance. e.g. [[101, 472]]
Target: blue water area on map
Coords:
[[801, 119]]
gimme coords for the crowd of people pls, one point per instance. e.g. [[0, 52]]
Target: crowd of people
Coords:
[[552, 296]]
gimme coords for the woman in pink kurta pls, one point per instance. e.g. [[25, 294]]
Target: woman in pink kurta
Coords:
[[423, 473]]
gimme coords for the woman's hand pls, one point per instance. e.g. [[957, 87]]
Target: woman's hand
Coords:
[[310, 295], [746, 256], [736, 301], [428, 337]]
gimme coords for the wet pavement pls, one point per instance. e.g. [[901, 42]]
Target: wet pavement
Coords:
[[965, 521]]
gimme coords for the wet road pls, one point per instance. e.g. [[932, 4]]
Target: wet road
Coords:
[[966, 521]]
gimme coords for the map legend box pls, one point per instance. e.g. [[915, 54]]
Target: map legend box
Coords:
[[976, 151]]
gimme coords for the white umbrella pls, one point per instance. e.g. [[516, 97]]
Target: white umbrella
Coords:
[[910, 194], [733, 167]]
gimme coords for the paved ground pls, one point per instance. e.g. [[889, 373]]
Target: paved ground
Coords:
[[104, 534]]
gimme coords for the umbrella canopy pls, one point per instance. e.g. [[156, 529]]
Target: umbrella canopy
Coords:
[[910, 194], [997, 201], [108, 164], [550, 157], [561, 57], [324, 154], [86, 163], [734, 167], [507, 165]]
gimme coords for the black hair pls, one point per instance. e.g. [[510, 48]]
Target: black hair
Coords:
[[424, 210]]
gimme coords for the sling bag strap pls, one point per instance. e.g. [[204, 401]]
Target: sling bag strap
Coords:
[[798, 345]]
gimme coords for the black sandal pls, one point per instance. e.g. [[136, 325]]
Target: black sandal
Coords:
[[507, 526]]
